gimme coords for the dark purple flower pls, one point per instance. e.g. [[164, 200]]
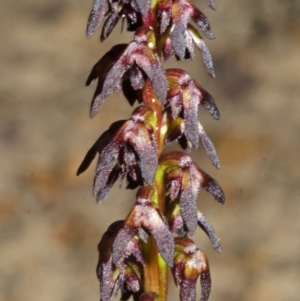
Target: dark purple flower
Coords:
[[144, 215], [138, 58], [189, 264], [124, 274], [183, 179], [127, 148]]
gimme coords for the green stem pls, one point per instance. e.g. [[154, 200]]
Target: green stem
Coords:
[[156, 269]]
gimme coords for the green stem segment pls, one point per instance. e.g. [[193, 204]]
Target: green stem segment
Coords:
[[155, 270]]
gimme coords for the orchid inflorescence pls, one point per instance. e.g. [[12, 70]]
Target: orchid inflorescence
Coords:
[[134, 253]]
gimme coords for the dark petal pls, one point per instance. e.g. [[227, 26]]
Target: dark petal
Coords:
[[106, 62], [106, 162], [109, 25], [190, 114], [113, 78], [206, 56], [146, 152], [207, 101], [211, 4], [176, 105], [189, 51], [95, 17], [181, 12], [212, 187], [112, 178], [153, 222], [164, 12], [177, 270], [187, 290], [104, 246], [209, 147], [145, 215], [121, 241], [201, 20], [205, 225], [107, 281], [99, 145], [178, 41], [149, 62], [143, 6], [106, 273], [101, 69], [188, 201], [205, 285]]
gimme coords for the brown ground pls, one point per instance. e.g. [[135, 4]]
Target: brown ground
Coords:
[[50, 224]]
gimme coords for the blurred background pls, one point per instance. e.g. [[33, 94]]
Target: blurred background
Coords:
[[49, 222]]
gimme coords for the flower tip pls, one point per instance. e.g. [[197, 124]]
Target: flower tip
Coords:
[[211, 72], [216, 116], [211, 3], [221, 199], [93, 112], [211, 35], [216, 163], [89, 31]]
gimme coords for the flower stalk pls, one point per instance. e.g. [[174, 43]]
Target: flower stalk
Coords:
[[135, 253]]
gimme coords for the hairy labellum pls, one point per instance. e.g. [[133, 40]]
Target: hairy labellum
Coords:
[[96, 16]]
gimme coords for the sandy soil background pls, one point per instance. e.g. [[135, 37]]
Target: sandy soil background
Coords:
[[49, 222]]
